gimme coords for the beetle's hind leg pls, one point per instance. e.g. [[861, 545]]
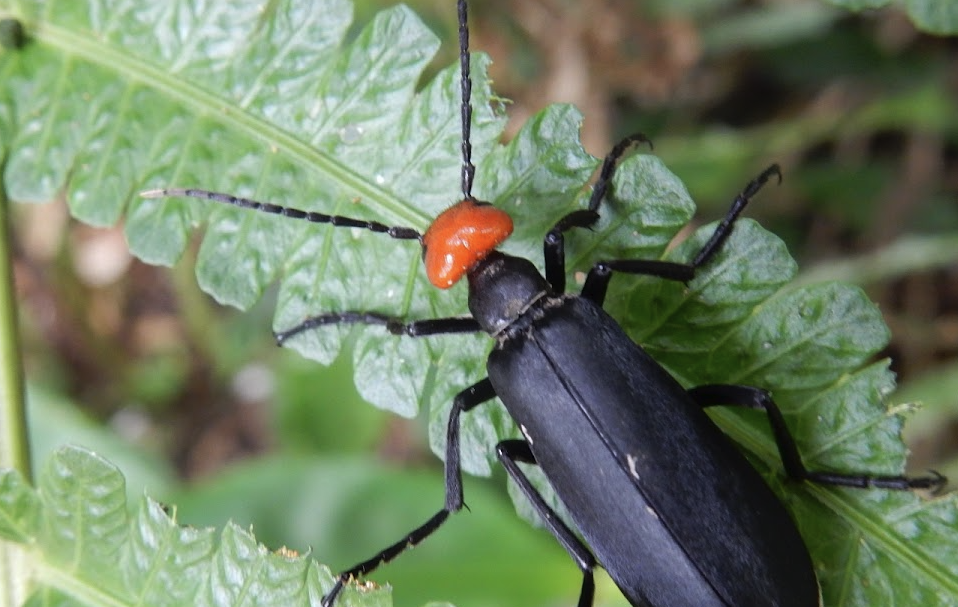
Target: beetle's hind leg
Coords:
[[597, 282], [756, 398], [469, 398], [511, 452]]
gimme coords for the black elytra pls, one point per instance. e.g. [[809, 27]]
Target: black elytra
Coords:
[[657, 494]]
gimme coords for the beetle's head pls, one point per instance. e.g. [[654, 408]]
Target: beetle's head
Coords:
[[461, 237]]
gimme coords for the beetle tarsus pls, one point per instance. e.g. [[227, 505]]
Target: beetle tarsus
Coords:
[[724, 228], [330, 597], [756, 398], [934, 482]]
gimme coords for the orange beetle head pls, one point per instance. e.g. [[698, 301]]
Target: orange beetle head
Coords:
[[460, 237]]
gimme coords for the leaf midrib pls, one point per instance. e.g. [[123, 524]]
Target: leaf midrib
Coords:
[[73, 586], [134, 69], [903, 551]]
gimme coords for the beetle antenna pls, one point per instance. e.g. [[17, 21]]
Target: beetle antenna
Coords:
[[465, 82], [397, 232]]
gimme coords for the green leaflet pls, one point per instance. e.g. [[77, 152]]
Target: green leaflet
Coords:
[[933, 16], [19, 508], [107, 99], [90, 550]]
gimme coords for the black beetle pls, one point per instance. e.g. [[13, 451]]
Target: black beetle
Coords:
[[662, 499]]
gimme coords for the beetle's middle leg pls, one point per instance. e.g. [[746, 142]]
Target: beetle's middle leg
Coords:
[[511, 452], [756, 398], [597, 282], [469, 398]]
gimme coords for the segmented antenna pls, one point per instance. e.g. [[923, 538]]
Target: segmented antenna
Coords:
[[465, 82], [397, 232]]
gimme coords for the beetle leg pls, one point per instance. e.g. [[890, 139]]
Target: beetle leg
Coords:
[[756, 398], [554, 244], [597, 282], [725, 227], [469, 398], [512, 451], [417, 328]]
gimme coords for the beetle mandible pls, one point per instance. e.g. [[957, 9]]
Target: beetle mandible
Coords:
[[659, 496]]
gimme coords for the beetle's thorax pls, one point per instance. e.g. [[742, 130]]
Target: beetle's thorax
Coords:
[[502, 288]]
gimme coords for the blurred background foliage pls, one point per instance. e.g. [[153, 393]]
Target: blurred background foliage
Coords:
[[196, 403]]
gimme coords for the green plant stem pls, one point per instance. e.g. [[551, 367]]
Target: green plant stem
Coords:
[[14, 446], [198, 315]]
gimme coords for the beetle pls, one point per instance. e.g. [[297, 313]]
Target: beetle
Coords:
[[656, 493]]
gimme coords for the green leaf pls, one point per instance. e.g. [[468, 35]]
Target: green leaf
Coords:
[[163, 562], [347, 508], [278, 103], [858, 5], [768, 26], [55, 421], [85, 518], [19, 513], [933, 16], [90, 551]]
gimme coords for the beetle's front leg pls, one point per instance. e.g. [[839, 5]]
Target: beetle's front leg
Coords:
[[396, 326], [467, 399], [756, 398], [554, 244], [512, 451]]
